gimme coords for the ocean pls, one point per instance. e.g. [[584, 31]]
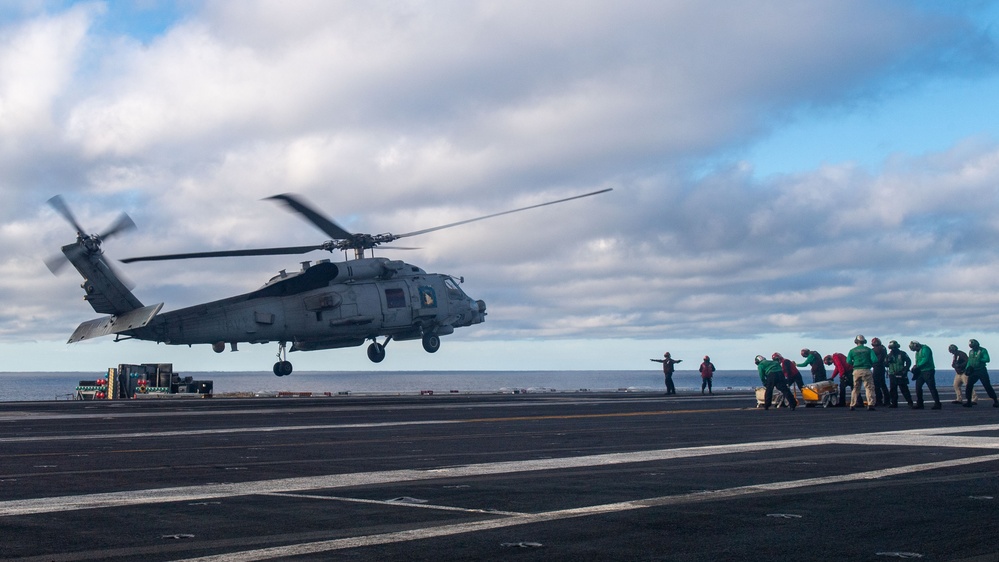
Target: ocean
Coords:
[[39, 386]]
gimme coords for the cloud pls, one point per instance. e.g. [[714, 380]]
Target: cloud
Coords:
[[404, 116]]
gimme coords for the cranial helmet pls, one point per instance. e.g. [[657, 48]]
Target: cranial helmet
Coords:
[[973, 344], [805, 351], [860, 340], [827, 359], [892, 344], [952, 348], [914, 345], [706, 358], [666, 354], [777, 356], [875, 341], [759, 359]]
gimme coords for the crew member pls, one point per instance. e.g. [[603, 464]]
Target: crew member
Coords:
[[772, 375], [843, 370], [978, 357], [898, 363], [668, 368], [791, 373], [707, 371], [814, 360], [878, 371], [960, 364], [924, 372], [862, 358]]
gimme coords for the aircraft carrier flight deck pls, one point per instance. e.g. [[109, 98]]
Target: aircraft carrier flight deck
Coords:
[[560, 476]]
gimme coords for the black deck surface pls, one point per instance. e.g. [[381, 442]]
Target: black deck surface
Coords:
[[575, 476]]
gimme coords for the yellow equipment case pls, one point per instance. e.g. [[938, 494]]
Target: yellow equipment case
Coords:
[[825, 393]]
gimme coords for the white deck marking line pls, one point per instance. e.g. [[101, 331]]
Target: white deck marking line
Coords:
[[111, 413], [525, 519], [944, 430], [235, 430], [397, 504], [182, 433], [332, 481]]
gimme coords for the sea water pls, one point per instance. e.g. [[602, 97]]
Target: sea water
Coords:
[[62, 386]]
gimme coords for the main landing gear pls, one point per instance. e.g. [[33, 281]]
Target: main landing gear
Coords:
[[283, 367], [431, 342], [376, 351]]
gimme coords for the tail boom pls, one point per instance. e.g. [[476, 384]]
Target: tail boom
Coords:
[[115, 324]]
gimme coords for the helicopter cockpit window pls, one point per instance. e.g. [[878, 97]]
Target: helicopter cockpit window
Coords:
[[453, 291], [395, 298]]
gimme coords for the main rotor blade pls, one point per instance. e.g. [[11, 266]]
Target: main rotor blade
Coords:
[[426, 230], [56, 263], [123, 223], [60, 206], [229, 253], [296, 203]]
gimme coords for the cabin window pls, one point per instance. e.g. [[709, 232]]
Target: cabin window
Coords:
[[428, 297], [395, 298]]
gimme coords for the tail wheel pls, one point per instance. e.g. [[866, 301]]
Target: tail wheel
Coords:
[[282, 368], [431, 342], [376, 352]]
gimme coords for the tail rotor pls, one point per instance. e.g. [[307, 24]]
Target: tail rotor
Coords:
[[89, 244]]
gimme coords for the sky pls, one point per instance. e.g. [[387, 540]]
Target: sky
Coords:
[[785, 174]]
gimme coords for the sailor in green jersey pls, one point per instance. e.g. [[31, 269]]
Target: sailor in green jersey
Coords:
[[898, 364], [862, 358], [924, 372], [978, 357], [813, 359], [771, 375]]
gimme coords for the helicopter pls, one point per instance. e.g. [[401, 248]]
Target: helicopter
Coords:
[[324, 305]]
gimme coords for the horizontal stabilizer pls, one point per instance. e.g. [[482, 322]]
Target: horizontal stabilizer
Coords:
[[103, 326]]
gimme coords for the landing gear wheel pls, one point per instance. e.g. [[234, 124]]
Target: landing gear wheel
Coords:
[[431, 342], [282, 368], [376, 352]]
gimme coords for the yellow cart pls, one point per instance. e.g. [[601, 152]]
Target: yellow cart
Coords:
[[825, 393], [776, 401]]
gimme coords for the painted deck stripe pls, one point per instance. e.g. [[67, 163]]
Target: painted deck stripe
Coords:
[[235, 430], [461, 528], [914, 438]]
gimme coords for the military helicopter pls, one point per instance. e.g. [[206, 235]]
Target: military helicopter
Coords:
[[324, 305]]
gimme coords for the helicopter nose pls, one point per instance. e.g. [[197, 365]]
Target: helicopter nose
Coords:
[[481, 305]]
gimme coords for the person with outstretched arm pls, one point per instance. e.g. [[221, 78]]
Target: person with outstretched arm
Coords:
[[668, 368]]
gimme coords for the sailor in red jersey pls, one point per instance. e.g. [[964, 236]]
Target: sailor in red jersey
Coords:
[[842, 369]]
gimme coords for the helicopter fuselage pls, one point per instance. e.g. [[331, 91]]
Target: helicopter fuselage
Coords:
[[326, 305]]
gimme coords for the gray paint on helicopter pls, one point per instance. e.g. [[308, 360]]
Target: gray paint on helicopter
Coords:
[[325, 305]]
